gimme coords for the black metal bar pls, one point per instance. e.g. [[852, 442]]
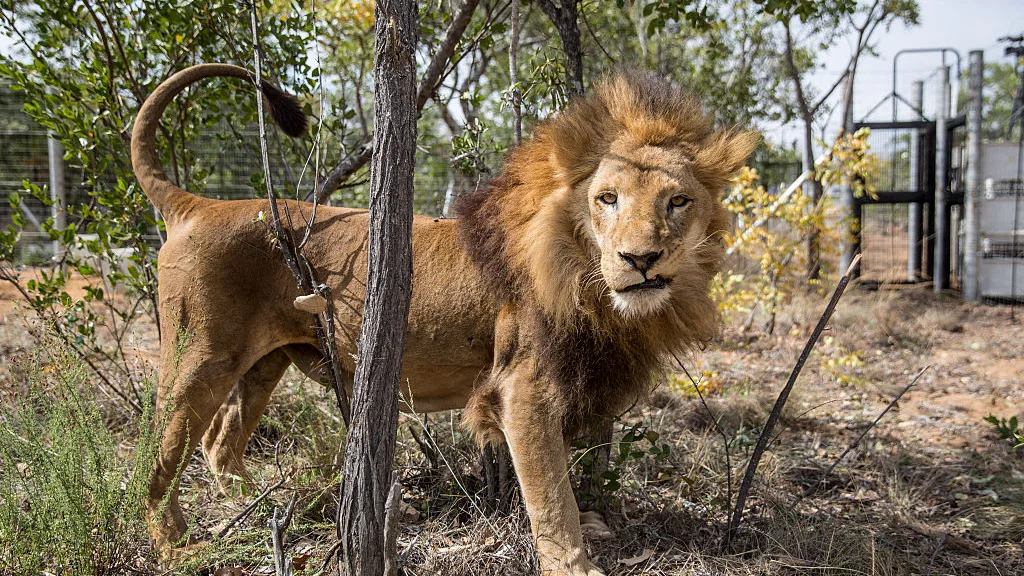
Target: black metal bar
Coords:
[[877, 106], [895, 197], [926, 179], [916, 110], [904, 125]]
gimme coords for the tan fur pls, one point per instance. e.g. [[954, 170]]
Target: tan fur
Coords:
[[512, 311]]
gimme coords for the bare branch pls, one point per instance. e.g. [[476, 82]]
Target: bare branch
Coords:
[[856, 442], [391, 517], [780, 403], [278, 531], [305, 277], [794, 75], [432, 77], [263, 495], [821, 101]]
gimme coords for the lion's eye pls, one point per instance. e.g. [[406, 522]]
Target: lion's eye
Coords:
[[609, 198], [678, 201]]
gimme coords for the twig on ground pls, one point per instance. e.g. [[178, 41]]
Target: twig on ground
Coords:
[[429, 452], [391, 508], [721, 431], [938, 548], [455, 476], [252, 505], [331, 552], [775, 440], [278, 531], [776, 413], [856, 442]]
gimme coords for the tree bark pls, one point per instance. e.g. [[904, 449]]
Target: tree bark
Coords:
[[564, 17], [371, 437]]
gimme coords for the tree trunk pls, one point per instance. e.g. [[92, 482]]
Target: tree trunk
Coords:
[[570, 34], [812, 188], [566, 21], [371, 437]]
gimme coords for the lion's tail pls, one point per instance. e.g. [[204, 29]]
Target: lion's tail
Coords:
[[173, 202]]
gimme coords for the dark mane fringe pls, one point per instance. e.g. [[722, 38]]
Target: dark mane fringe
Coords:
[[482, 235], [604, 372], [601, 375]]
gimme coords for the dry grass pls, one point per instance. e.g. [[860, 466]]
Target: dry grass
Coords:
[[931, 490]]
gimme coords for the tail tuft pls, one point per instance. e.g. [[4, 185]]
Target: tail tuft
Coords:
[[286, 110]]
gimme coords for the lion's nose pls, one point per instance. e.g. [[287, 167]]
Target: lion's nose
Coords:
[[641, 262]]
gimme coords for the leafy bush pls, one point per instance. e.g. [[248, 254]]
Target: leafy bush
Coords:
[[638, 443], [772, 228], [1008, 429], [72, 499]]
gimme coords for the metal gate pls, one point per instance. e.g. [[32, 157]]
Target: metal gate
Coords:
[[897, 225]]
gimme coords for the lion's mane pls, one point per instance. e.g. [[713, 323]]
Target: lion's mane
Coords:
[[526, 233]]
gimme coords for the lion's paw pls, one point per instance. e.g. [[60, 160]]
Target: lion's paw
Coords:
[[592, 524]]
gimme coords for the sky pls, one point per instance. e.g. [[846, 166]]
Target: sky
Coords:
[[964, 25]]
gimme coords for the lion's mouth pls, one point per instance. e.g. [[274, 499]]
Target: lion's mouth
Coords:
[[654, 283]]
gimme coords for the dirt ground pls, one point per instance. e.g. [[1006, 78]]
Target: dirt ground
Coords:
[[931, 489]]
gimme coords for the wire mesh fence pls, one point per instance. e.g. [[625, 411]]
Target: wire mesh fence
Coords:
[[223, 164], [884, 242], [898, 171], [777, 174]]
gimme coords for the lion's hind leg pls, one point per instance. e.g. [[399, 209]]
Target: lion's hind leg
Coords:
[[194, 385], [225, 440]]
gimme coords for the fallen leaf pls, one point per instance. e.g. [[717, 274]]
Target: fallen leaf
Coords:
[[643, 557]]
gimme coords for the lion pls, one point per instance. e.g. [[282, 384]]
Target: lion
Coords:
[[557, 293]]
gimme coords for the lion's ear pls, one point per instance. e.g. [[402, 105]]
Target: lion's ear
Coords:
[[722, 154], [580, 136]]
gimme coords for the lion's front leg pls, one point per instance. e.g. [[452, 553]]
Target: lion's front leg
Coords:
[[534, 436]]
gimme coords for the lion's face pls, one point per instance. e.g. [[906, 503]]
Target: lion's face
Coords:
[[648, 214]]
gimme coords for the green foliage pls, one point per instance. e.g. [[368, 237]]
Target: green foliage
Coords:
[[999, 88], [638, 443], [72, 498], [1008, 429], [850, 161], [807, 10], [661, 12], [724, 52]]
